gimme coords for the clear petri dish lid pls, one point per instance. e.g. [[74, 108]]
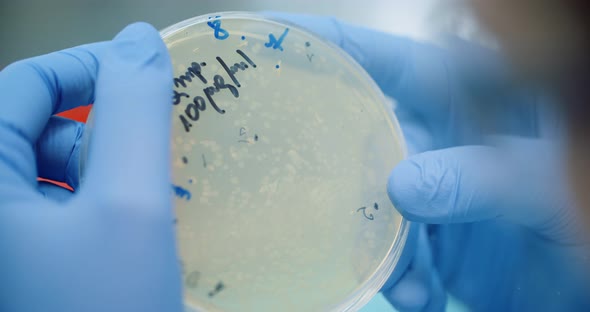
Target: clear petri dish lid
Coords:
[[282, 146]]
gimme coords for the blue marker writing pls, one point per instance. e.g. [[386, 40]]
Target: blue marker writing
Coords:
[[181, 192], [276, 43], [219, 32]]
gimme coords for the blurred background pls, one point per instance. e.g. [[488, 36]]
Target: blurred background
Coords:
[[34, 27]]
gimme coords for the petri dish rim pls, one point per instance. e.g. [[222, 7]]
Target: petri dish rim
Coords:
[[366, 291]]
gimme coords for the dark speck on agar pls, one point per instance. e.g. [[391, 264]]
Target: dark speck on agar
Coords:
[[203, 64], [376, 206], [184, 160], [277, 66], [190, 181], [256, 137], [243, 37], [307, 44]]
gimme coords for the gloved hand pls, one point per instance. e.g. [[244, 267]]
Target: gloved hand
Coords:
[[484, 177], [111, 245]]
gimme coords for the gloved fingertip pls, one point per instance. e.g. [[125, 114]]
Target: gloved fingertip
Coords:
[[404, 188], [139, 43]]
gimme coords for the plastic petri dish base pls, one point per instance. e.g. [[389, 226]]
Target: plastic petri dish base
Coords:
[[282, 146]]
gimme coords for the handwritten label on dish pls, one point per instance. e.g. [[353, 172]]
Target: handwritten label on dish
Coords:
[[218, 83]]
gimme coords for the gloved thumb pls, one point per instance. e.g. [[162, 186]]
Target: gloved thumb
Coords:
[[129, 153], [518, 180]]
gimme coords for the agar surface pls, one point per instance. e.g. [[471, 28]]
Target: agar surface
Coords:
[[278, 142]]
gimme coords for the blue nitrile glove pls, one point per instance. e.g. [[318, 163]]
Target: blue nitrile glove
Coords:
[[484, 177], [111, 245]]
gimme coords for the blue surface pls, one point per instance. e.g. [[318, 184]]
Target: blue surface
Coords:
[[379, 304]]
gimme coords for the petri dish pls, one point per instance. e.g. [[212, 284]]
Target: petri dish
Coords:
[[282, 146]]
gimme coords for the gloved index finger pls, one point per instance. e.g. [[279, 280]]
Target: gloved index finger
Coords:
[[384, 56], [424, 78], [34, 89]]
